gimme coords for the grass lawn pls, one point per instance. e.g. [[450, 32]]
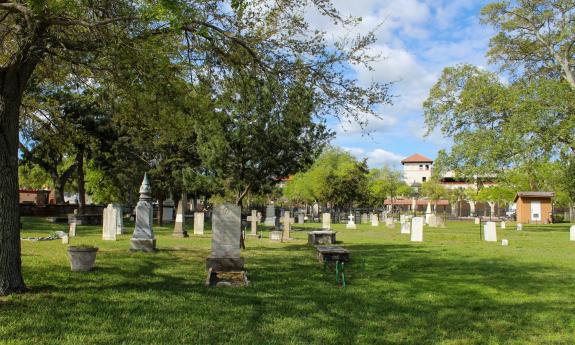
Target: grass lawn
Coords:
[[450, 289]]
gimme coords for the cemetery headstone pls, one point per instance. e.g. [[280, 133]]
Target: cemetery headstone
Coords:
[[119, 219], [301, 218], [477, 220], [180, 224], [199, 223], [490, 232], [417, 229], [389, 223], [275, 236], [253, 219], [168, 211], [374, 220], [432, 220], [428, 212], [270, 216], [406, 227], [226, 232], [364, 218], [572, 233], [143, 238], [109, 223], [72, 231], [519, 226], [503, 225], [350, 223], [505, 242], [287, 221], [326, 221]]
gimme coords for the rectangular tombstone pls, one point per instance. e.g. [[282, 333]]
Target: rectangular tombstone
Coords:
[[406, 227], [226, 231], [168, 214], [326, 221], [198, 223], [300, 218], [321, 237], [572, 233], [519, 227], [364, 218], [432, 220], [503, 225], [110, 220], [119, 219], [374, 220], [490, 232], [417, 229], [275, 236], [72, 231], [270, 216], [477, 220], [389, 223], [287, 220]]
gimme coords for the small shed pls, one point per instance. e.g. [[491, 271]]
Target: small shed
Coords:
[[534, 207]]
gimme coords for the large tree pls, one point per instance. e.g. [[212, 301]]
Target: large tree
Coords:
[[266, 39]]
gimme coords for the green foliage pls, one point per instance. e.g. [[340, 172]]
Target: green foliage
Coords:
[[433, 190], [385, 183], [32, 176]]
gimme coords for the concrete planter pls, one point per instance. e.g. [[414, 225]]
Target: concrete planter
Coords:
[[82, 258]]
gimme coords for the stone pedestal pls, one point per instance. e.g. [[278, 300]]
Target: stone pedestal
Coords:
[[143, 245], [224, 264], [321, 237]]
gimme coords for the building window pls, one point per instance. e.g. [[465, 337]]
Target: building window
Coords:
[[426, 166], [423, 179], [420, 167]]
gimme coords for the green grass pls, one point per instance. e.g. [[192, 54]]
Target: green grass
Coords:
[[451, 289]]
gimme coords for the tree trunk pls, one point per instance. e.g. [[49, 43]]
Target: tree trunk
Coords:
[[81, 182], [11, 280], [59, 185]]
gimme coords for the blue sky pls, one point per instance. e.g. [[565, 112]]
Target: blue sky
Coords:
[[418, 38]]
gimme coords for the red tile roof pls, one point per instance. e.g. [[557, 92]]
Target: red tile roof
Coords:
[[417, 158]]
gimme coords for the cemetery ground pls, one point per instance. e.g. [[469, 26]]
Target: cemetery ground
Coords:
[[450, 289]]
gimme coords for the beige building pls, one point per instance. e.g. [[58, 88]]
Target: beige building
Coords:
[[417, 169]]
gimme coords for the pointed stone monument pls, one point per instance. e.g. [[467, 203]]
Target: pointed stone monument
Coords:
[[143, 238], [180, 224]]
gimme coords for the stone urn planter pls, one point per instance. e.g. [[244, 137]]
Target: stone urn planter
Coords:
[[82, 258]]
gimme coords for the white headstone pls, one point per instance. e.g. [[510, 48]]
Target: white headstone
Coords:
[[109, 223], [519, 226], [226, 227], [572, 233], [119, 219], [326, 221], [364, 218], [406, 227], [503, 225], [504, 242], [389, 223], [417, 229], [432, 220], [72, 231], [253, 219], [477, 220], [374, 220], [490, 232], [65, 239], [198, 223], [350, 224], [301, 218]]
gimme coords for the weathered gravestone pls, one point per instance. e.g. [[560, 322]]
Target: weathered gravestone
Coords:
[[72, 231], [432, 220], [180, 224], [168, 211], [326, 221], [503, 225], [477, 220], [417, 229], [109, 223], [143, 238], [270, 216], [119, 219], [226, 232], [321, 237], [253, 219], [505, 242], [364, 218], [519, 227], [287, 222], [406, 227], [275, 236], [198, 223], [350, 224], [490, 232], [301, 218], [389, 223], [572, 233], [374, 220]]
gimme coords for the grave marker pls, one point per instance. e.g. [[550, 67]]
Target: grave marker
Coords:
[[326, 221], [226, 232], [417, 229], [490, 232], [198, 223], [143, 237]]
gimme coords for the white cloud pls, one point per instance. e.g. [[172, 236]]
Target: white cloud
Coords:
[[380, 157]]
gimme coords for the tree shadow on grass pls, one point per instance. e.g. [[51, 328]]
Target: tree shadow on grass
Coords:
[[408, 294]]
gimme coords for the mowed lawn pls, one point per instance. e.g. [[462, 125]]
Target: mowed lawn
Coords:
[[451, 289]]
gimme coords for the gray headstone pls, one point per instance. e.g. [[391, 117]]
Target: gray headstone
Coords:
[[119, 219], [300, 218], [270, 216], [143, 238], [374, 220], [389, 223], [287, 221], [406, 227], [109, 223], [226, 231]]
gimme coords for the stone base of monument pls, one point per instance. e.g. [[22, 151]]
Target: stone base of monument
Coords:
[[216, 278], [141, 245], [321, 237], [224, 264], [180, 234]]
